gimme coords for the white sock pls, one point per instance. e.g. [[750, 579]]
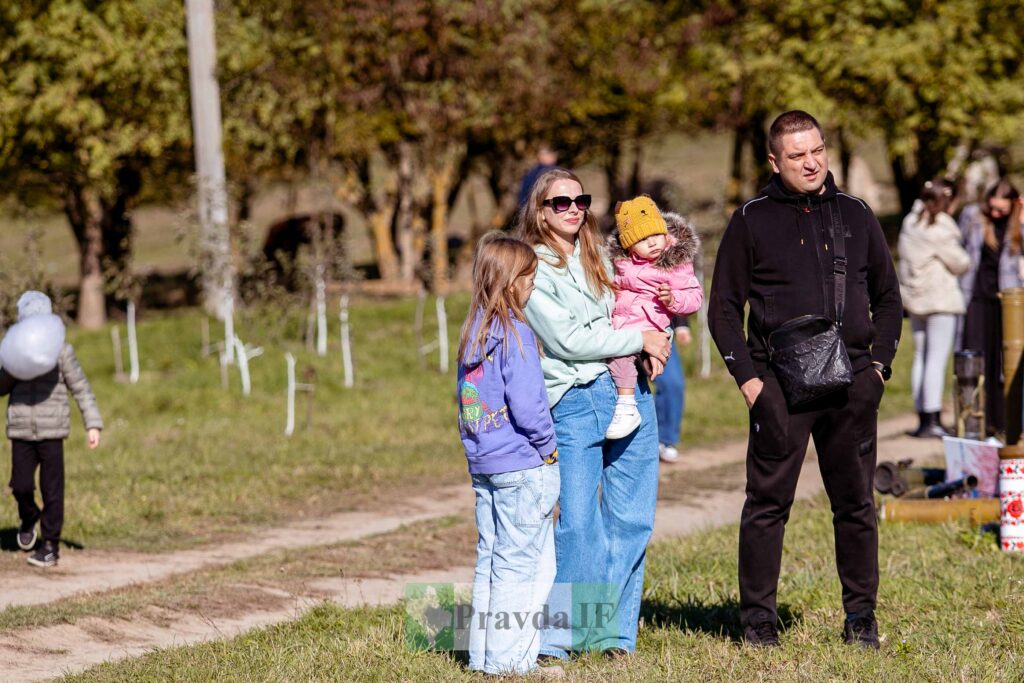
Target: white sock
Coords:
[[628, 399]]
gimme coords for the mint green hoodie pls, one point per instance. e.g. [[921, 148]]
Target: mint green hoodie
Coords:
[[574, 325]]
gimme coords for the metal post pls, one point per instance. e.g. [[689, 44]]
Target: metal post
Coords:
[[969, 395], [1013, 369]]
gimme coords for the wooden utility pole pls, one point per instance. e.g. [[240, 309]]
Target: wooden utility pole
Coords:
[[217, 271]]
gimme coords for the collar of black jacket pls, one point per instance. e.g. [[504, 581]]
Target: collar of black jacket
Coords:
[[778, 191]]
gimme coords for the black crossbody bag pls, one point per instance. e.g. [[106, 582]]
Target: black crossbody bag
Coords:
[[807, 354]]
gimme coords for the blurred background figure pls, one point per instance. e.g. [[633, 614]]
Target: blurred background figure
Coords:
[[931, 260], [547, 159], [670, 399], [991, 233]]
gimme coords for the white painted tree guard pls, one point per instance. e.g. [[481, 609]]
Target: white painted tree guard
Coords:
[[133, 346], [321, 313], [346, 343], [289, 427]]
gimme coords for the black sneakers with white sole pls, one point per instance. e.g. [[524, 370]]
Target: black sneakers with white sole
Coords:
[[45, 556], [27, 538]]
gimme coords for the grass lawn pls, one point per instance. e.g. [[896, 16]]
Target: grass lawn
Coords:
[[951, 608], [186, 461]]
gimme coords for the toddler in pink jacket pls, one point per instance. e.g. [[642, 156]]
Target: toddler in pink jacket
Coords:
[[653, 258]]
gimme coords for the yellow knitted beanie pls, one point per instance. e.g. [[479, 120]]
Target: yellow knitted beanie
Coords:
[[638, 219]]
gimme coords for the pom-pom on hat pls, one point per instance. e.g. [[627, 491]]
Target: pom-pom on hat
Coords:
[[638, 219]]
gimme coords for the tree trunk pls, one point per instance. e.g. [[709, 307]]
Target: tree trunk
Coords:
[[759, 147], [504, 198], [636, 175], [613, 159], [378, 215], [441, 180], [243, 205], [735, 193], [117, 235], [906, 183], [83, 210], [845, 157], [404, 229], [383, 244]]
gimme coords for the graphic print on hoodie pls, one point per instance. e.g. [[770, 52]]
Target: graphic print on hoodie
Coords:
[[504, 419]]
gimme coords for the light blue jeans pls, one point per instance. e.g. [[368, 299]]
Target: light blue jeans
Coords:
[[515, 567], [609, 491]]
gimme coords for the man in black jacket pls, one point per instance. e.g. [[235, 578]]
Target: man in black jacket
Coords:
[[777, 256]]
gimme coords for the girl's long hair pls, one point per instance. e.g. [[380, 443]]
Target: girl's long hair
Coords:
[[533, 230], [1003, 189], [938, 196], [500, 260]]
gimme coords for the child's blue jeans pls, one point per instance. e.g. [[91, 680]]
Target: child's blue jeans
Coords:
[[515, 567]]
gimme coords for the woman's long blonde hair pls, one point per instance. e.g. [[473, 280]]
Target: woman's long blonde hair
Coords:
[[533, 230], [500, 260]]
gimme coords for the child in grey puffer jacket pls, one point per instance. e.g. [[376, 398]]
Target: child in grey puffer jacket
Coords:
[[38, 421]]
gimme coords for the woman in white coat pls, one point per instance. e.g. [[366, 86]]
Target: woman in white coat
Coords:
[[931, 259]]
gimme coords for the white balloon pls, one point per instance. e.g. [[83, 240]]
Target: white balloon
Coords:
[[32, 346]]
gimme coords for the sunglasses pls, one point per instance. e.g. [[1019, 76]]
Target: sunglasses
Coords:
[[562, 204]]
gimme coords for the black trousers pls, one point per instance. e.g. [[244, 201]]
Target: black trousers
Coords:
[[844, 428], [48, 456], [983, 331]]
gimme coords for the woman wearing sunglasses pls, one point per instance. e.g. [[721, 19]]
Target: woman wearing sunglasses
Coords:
[[600, 543]]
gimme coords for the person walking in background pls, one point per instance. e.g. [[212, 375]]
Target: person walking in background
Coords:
[[547, 159], [653, 258], [510, 444], [670, 395], [991, 233], [931, 260], [38, 421], [609, 489], [779, 254]]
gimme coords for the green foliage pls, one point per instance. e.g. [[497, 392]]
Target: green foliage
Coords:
[[87, 87]]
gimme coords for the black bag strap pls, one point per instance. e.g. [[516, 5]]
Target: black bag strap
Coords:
[[838, 259]]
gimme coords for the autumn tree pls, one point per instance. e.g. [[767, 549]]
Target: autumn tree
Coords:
[[93, 96]]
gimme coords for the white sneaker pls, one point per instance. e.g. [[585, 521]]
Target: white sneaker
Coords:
[[668, 453], [625, 420]]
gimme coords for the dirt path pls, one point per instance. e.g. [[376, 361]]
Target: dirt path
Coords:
[[35, 654]]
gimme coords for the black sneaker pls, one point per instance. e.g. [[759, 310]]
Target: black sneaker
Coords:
[[45, 556], [27, 538], [861, 630], [762, 634]]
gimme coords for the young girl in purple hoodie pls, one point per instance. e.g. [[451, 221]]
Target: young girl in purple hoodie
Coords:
[[506, 428]]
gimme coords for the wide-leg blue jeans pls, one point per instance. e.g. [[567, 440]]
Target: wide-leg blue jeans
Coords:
[[607, 500]]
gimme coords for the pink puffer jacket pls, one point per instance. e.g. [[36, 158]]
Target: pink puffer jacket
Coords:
[[636, 301]]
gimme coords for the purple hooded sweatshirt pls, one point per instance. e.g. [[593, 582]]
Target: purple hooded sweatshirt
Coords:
[[504, 418]]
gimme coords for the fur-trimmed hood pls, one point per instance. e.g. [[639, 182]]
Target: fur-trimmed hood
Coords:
[[685, 249]]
